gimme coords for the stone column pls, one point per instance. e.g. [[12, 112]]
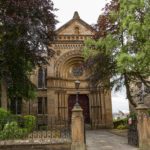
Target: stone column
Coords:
[[143, 127], [51, 108], [51, 96], [108, 109], [77, 129]]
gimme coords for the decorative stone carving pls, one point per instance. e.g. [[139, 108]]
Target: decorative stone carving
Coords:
[[77, 71], [62, 59]]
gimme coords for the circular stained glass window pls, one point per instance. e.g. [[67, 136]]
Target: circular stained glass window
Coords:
[[77, 71]]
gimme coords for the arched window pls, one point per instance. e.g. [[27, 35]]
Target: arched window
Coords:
[[42, 75], [77, 30]]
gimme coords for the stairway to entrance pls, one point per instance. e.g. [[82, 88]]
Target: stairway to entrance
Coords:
[[104, 140]]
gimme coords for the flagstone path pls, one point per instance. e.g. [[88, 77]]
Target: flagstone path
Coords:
[[104, 140]]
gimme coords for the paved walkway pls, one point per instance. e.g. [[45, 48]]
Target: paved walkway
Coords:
[[104, 140]]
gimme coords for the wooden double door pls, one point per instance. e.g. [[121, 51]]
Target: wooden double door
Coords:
[[84, 103]]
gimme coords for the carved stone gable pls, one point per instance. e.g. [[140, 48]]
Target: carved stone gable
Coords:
[[76, 26]]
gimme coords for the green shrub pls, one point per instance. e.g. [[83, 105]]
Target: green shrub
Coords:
[[4, 117], [4, 114], [29, 122], [12, 131], [133, 116], [121, 127], [120, 122], [14, 127], [19, 119]]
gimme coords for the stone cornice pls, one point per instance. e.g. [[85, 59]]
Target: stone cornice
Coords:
[[68, 42]]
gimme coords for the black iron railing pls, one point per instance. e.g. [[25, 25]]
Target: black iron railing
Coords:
[[133, 138], [39, 128]]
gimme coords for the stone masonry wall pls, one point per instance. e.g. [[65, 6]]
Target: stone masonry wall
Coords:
[[36, 147]]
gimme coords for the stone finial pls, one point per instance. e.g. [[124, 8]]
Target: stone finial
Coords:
[[76, 15]]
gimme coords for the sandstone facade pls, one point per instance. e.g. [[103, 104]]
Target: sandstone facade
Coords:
[[65, 67]]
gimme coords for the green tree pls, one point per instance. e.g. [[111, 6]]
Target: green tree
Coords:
[[120, 51], [26, 28]]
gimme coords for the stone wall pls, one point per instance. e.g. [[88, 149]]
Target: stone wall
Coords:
[[36, 144], [65, 146]]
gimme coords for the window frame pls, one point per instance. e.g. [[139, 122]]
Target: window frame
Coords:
[[44, 78], [43, 105], [17, 109]]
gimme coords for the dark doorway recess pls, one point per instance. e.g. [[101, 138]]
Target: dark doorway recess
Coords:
[[84, 103]]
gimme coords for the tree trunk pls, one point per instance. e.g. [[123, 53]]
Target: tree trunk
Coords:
[[3, 94], [132, 102]]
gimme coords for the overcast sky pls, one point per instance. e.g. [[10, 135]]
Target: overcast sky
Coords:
[[89, 10]]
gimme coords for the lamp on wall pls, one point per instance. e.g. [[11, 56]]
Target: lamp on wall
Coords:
[[77, 84]]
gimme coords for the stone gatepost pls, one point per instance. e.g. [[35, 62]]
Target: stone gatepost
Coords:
[[77, 129], [143, 127]]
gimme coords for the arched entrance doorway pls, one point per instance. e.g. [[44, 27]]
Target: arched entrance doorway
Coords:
[[84, 103]]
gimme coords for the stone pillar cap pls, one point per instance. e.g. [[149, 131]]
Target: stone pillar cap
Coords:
[[141, 106], [77, 108]]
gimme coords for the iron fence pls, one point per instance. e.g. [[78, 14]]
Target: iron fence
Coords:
[[39, 128], [133, 138]]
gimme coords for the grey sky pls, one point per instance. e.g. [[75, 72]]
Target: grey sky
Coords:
[[119, 101], [89, 10]]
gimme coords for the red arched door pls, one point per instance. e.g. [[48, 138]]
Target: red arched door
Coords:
[[84, 103]]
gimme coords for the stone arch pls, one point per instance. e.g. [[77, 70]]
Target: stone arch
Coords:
[[66, 60]]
